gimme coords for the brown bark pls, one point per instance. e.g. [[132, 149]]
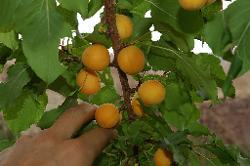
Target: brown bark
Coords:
[[110, 20]]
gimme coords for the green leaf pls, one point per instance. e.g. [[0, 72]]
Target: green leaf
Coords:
[[239, 26], [5, 143], [80, 6], [140, 7], [7, 9], [183, 41], [211, 10], [243, 161], [42, 27], [212, 64], [18, 77], [50, 117], [27, 110], [200, 79], [9, 39], [217, 34], [176, 17], [106, 95], [94, 6], [187, 65], [222, 154], [124, 4], [233, 72], [141, 29], [193, 159], [69, 16], [106, 77], [175, 96]]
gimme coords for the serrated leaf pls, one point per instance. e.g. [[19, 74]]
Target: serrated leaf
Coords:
[[9, 39], [80, 6], [27, 111], [18, 77], [41, 46]]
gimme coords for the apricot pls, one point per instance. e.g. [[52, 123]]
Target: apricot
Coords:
[[162, 158], [96, 57], [107, 116], [151, 92], [137, 109], [192, 4], [124, 26], [131, 60], [88, 81]]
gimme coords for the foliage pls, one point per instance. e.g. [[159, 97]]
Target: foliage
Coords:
[[31, 31]]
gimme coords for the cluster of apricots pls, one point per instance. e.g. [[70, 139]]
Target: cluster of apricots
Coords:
[[131, 61], [192, 5]]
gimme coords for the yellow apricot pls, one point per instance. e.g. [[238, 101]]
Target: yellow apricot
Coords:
[[151, 92], [162, 158], [124, 26], [96, 57], [137, 109], [131, 60], [107, 116], [88, 81]]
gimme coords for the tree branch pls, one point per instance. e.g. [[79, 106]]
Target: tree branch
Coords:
[[110, 19]]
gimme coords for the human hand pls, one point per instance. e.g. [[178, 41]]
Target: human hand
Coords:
[[55, 147]]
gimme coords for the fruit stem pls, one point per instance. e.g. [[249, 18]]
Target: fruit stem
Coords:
[[110, 20]]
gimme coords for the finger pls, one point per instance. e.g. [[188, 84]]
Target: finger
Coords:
[[93, 142], [72, 120]]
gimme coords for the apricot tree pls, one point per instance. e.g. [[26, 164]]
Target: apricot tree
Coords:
[[157, 118]]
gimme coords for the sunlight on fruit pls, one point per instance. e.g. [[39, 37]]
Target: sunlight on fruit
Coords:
[[138, 111], [88, 81], [124, 26], [107, 116], [162, 158], [131, 60], [152, 92], [96, 57], [192, 4]]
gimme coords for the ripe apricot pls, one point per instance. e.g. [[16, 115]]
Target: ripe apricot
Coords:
[[88, 81], [162, 158], [192, 4], [151, 92], [131, 60], [96, 57], [138, 111], [107, 116], [124, 26]]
